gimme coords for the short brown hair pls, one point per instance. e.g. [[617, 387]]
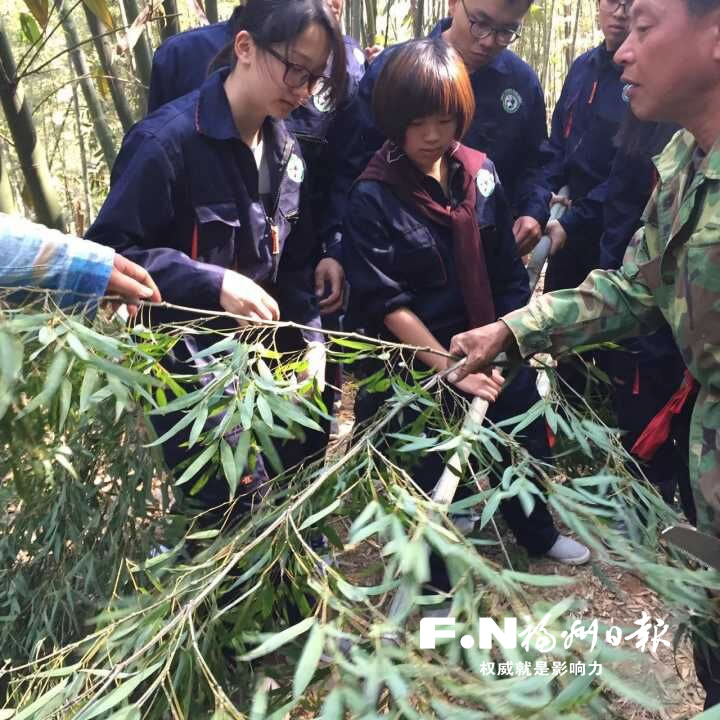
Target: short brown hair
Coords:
[[421, 78]]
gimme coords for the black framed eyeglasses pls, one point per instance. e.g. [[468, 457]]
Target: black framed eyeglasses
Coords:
[[297, 76], [614, 5], [480, 29]]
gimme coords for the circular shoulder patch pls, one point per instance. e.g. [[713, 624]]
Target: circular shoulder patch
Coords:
[[322, 101], [296, 169], [511, 101], [359, 55], [485, 183]]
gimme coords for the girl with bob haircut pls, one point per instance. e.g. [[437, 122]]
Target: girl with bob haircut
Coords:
[[429, 251], [205, 194]]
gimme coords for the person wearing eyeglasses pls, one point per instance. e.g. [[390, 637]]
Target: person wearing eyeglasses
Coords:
[[182, 63], [509, 124], [206, 193]]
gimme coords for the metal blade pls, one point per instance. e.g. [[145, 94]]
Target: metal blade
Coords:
[[705, 548]]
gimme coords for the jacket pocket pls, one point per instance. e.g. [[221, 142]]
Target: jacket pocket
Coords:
[[651, 273], [217, 228], [417, 259]]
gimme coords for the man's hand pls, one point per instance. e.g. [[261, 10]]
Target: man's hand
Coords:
[[558, 236], [372, 52], [485, 387], [480, 347], [241, 296], [330, 273], [131, 282], [527, 233]]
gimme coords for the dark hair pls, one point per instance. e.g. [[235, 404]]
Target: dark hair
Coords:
[[421, 78], [279, 22], [639, 138], [700, 7]]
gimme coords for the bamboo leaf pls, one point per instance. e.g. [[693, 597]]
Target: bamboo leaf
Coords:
[[119, 694], [128, 376], [197, 464], [30, 28], [40, 11], [229, 467], [128, 713], [308, 662], [268, 448], [101, 11], [55, 375], [203, 535], [265, 411], [241, 451], [321, 514], [279, 639], [87, 388], [198, 425], [65, 399], [76, 346], [353, 344]]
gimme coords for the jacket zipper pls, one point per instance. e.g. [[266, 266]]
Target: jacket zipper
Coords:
[[274, 232], [310, 138]]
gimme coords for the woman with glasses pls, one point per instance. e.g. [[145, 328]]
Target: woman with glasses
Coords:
[[206, 191], [182, 63]]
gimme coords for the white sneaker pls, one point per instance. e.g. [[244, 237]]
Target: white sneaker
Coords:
[[568, 551]]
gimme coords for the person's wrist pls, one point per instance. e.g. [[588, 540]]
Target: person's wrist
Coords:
[[504, 337]]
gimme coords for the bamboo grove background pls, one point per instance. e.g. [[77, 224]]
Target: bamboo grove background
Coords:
[[74, 76]]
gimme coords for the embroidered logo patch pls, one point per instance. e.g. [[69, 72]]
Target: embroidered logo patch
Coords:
[[322, 101], [295, 169], [511, 101], [485, 183], [359, 55]]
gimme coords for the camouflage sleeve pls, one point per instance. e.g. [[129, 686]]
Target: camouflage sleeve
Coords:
[[609, 305]]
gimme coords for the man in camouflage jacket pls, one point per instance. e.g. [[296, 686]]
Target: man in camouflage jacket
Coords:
[[671, 271]]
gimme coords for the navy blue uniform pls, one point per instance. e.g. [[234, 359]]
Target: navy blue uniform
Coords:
[[180, 65], [585, 122], [185, 204], [509, 126], [648, 370], [396, 257]]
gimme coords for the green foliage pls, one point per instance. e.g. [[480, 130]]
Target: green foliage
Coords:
[[98, 624]]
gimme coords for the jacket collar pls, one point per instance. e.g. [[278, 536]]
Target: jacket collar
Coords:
[[602, 58], [213, 118], [678, 155]]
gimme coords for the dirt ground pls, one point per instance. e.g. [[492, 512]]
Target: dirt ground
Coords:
[[671, 677]]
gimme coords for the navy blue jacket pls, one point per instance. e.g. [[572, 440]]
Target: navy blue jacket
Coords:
[[395, 257], [585, 122], [184, 204], [509, 126], [180, 65], [632, 179]]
